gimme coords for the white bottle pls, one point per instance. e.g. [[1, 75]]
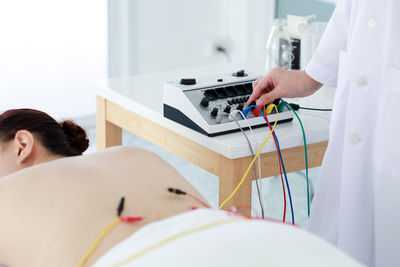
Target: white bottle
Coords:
[[279, 47]]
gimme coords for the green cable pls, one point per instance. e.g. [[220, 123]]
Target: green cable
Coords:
[[305, 153]]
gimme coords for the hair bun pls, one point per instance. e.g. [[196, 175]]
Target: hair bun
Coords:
[[76, 136]]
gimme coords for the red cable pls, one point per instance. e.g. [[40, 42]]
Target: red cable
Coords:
[[234, 213], [129, 219], [236, 208], [181, 192], [198, 200], [280, 168]]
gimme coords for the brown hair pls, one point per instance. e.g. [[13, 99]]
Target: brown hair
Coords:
[[65, 138]]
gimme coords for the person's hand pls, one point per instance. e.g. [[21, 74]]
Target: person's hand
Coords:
[[282, 83]]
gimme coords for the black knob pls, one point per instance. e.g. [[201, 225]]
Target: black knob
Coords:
[[204, 102], [240, 73], [214, 112], [230, 102], [190, 81], [227, 109], [276, 101], [240, 107]]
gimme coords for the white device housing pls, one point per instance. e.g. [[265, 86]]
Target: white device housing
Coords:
[[182, 104]]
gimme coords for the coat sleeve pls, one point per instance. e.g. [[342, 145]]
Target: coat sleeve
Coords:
[[323, 67]]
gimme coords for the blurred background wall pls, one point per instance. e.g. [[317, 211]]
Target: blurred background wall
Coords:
[[322, 8], [52, 50]]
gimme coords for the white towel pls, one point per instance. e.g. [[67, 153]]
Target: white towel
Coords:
[[234, 242]]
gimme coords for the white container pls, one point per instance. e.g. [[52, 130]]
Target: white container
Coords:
[[278, 48], [310, 37]]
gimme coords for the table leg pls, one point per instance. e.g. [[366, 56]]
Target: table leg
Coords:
[[107, 133], [231, 172]]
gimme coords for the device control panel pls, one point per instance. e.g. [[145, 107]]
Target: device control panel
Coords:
[[204, 103], [213, 102]]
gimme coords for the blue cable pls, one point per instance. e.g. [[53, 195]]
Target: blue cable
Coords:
[[286, 179], [245, 112]]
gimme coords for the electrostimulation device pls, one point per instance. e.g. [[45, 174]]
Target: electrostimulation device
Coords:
[[204, 103]]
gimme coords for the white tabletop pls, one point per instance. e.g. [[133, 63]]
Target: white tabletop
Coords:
[[143, 94]]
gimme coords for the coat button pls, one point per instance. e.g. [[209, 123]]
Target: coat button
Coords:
[[361, 81], [355, 139], [371, 23]]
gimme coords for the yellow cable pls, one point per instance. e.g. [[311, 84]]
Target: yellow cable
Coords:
[[105, 231], [176, 236], [269, 109], [252, 162]]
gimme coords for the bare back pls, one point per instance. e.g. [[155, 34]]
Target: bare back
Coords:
[[51, 213]]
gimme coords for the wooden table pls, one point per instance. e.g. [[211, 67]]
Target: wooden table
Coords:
[[135, 104]]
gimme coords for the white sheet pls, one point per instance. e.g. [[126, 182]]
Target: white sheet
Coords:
[[239, 243]]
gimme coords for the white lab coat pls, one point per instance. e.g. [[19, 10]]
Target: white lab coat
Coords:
[[357, 199]]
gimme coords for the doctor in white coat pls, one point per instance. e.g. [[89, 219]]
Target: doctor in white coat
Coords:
[[357, 201]]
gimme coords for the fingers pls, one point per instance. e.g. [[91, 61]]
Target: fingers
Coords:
[[257, 89], [257, 81], [267, 98], [264, 85]]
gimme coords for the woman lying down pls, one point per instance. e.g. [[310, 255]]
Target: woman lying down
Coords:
[[58, 208]]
